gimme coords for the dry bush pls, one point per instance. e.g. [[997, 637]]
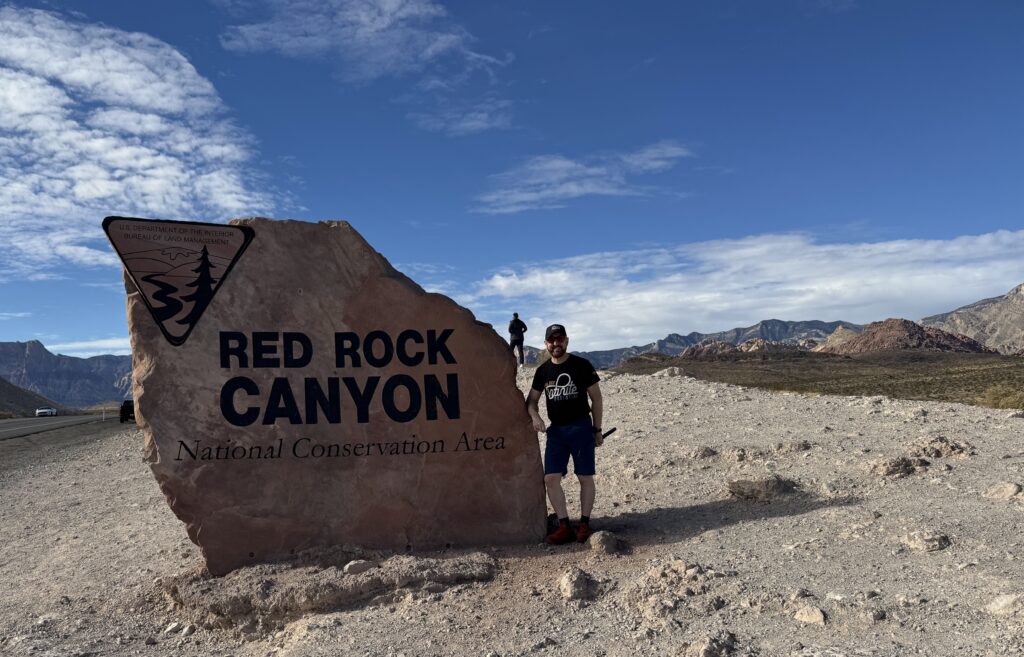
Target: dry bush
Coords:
[[1002, 395]]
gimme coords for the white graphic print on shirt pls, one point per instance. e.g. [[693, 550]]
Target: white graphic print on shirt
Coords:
[[563, 388]]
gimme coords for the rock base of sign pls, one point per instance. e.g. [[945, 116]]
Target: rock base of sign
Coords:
[[261, 599], [325, 399]]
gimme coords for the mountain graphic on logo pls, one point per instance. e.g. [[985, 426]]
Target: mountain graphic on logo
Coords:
[[177, 266]]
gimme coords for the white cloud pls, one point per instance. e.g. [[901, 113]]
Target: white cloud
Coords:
[[548, 181], [87, 348], [374, 39], [4, 316], [622, 298], [97, 121]]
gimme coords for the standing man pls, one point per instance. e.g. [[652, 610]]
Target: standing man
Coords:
[[516, 329], [567, 381]]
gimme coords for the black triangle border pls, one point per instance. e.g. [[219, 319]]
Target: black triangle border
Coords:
[[247, 231]]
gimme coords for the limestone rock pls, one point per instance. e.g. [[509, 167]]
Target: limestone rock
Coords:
[[412, 433], [899, 466], [604, 542], [702, 452], [926, 541], [357, 566], [577, 584], [1002, 491], [810, 614], [1006, 605], [722, 644], [761, 490]]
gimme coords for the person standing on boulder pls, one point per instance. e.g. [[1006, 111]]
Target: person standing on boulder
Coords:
[[567, 381], [516, 329]]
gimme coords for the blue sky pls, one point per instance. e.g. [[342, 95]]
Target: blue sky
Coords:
[[628, 169]]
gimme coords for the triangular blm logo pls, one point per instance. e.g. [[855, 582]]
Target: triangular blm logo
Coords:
[[177, 266]]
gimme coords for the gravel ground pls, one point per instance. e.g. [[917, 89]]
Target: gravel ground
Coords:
[[830, 545]]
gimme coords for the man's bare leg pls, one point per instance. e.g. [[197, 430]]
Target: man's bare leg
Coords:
[[587, 494], [553, 484]]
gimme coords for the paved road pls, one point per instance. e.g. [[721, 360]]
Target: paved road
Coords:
[[27, 426]]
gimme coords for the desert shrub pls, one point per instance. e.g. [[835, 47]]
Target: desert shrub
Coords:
[[1002, 395], [4, 415]]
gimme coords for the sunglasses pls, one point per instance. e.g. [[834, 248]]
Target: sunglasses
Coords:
[[556, 339]]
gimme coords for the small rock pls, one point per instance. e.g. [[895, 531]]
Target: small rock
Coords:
[[737, 454], [358, 566], [1006, 605], [761, 490], [1015, 414], [172, 628], [900, 466], [702, 452], [810, 615], [189, 630], [923, 541], [604, 542], [800, 593], [1002, 491], [722, 644], [150, 641], [576, 585]]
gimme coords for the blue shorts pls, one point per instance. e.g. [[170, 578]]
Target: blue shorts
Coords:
[[576, 440]]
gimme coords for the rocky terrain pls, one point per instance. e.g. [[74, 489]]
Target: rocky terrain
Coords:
[[734, 521], [904, 334], [997, 322], [69, 381]]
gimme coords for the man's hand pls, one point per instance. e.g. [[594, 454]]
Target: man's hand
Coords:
[[598, 438], [538, 425]]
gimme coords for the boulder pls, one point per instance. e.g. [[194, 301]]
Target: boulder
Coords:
[[318, 397]]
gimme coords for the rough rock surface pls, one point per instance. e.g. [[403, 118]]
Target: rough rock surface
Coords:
[[904, 334], [464, 478]]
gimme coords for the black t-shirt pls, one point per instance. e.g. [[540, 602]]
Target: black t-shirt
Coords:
[[516, 328], [565, 388]]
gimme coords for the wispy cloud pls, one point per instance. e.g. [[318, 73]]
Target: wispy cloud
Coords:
[[87, 348], [466, 118], [548, 181], [621, 298], [373, 39], [5, 316], [97, 121]]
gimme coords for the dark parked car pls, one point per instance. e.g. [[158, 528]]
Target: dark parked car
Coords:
[[127, 410]]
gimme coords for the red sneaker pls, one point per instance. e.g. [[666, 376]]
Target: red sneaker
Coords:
[[561, 535], [583, 532]]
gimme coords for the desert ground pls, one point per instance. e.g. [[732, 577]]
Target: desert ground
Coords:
[[739, 522]]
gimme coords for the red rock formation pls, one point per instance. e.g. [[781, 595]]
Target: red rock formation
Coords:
[[904, 334]]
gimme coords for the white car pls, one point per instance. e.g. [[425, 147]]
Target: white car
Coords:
[[45, 411]]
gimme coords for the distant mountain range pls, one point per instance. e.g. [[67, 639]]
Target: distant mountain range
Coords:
[[774, 330], [997, 322], [69, 381]]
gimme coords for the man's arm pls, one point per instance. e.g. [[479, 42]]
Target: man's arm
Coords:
[[531, 408], [596, 408]]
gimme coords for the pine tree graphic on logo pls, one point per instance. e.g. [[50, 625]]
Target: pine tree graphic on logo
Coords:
[[203, 294], [177, 266]]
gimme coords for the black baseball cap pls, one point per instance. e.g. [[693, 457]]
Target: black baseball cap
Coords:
[[553, 331]]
